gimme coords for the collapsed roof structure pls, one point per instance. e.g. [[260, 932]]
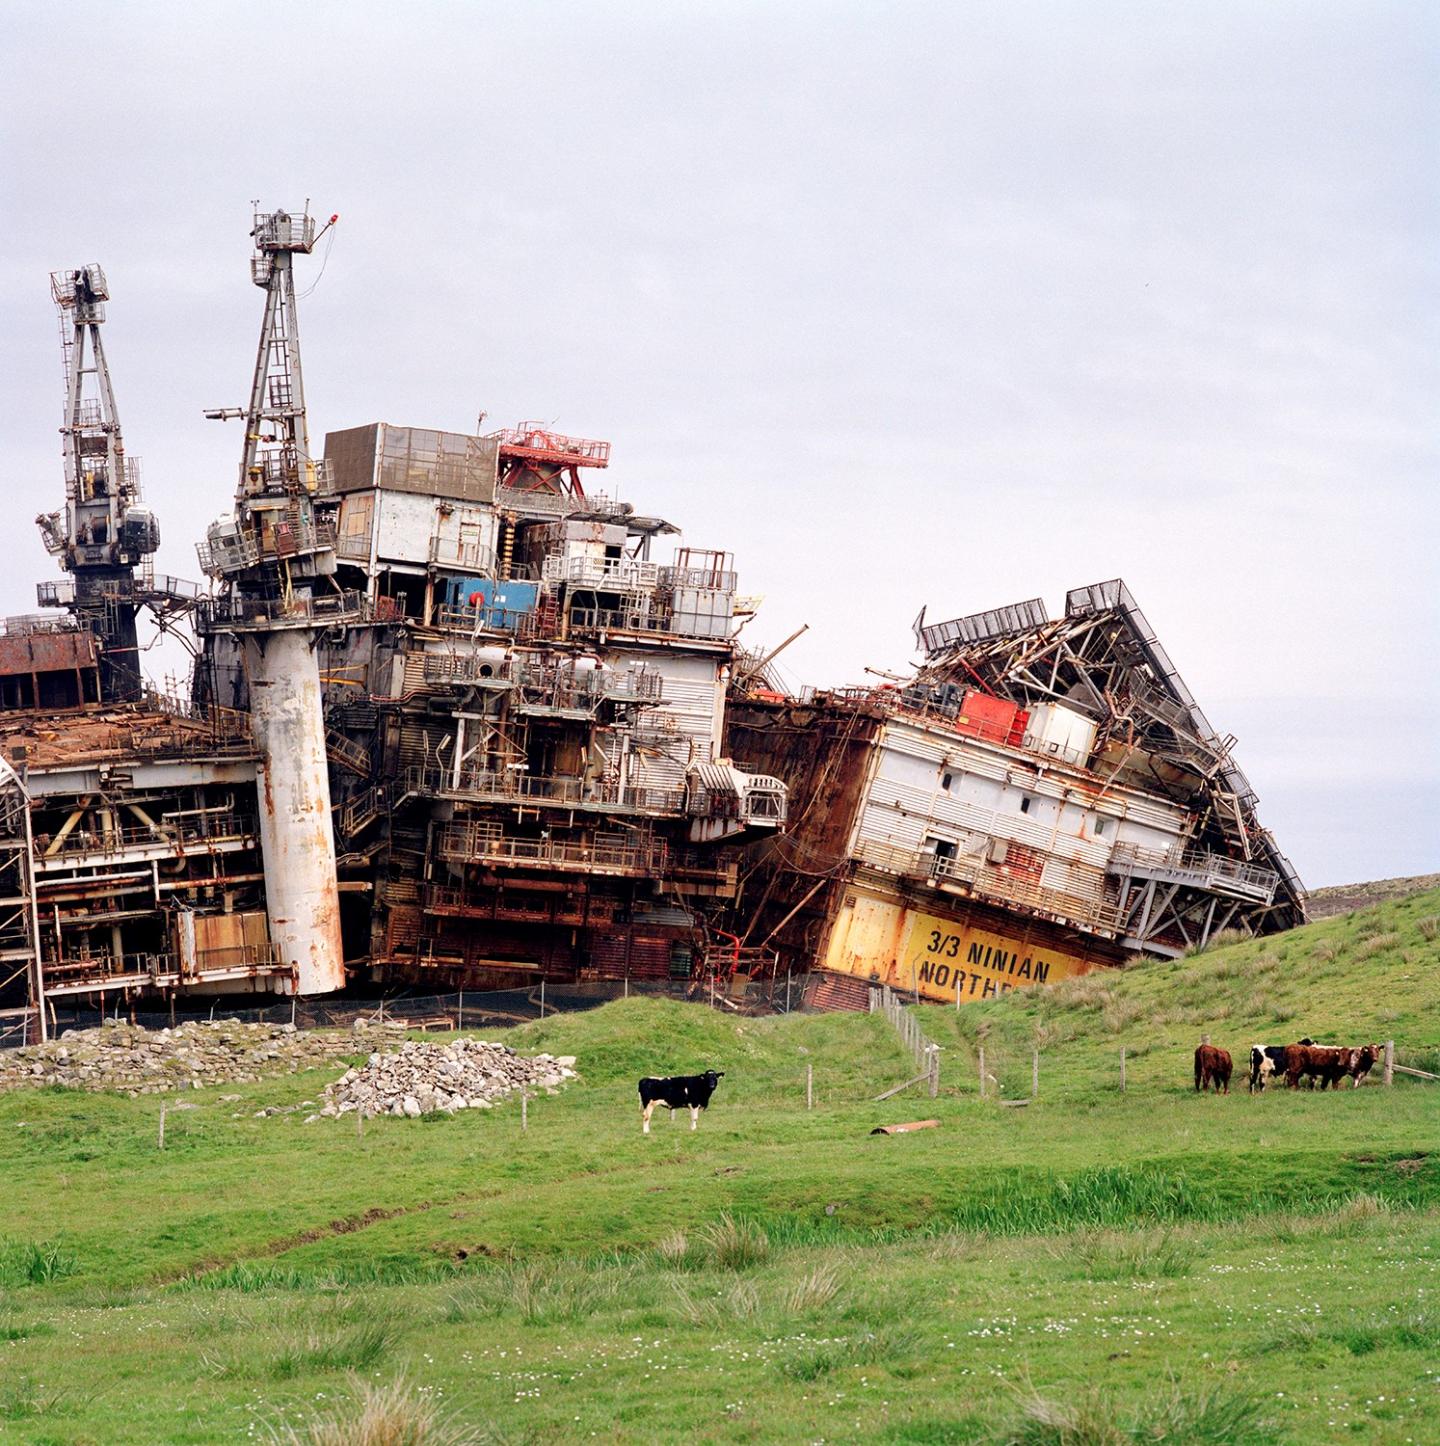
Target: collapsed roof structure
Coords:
[[1044, 796]]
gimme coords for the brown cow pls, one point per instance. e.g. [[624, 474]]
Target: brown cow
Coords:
[[1212, 1066], [1325, 1062]]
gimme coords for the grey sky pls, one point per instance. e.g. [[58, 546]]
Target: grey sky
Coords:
[[902, 303]]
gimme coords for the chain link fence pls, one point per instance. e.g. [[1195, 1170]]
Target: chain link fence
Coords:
[[460, 1009]]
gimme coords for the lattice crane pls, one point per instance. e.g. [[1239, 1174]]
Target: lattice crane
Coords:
[[105, 532]]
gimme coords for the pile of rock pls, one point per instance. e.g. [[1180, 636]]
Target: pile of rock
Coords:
[[137, 1061], [419, 1078]]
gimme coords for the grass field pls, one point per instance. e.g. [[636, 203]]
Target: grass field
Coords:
[[1096, 1267]]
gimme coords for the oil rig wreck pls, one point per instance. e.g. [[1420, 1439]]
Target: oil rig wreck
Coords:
[[451, 723]]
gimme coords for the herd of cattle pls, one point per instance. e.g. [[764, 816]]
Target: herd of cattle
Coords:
[[1330, 1064], [1308, 1061]]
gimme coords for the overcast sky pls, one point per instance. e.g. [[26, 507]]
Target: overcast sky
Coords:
[[953, 304]]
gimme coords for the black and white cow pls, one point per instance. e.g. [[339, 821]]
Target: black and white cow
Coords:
[[690, 1091], [1267, 1060]]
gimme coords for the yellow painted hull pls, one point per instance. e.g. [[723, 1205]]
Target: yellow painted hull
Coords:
[[886, 942]]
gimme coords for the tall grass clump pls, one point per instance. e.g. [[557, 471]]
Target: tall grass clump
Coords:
[[29, 1262], [813, 1291], [716, 1312], [256, 1277], [1126, 1255], [1375, 944], [356, 1349], [1222, 940], [731, 1244], [539, 1292], [392, 1415], [25, 1400], [890, 1348], [1091, 1418]]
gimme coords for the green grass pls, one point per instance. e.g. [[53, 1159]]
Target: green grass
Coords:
[[1096, 1267]]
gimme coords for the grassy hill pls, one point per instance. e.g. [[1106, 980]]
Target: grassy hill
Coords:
[[1096, 1266], [1346, 898]]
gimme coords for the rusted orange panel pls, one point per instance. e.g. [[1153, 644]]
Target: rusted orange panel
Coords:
[[48, 652]]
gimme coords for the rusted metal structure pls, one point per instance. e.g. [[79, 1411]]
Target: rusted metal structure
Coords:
[[527, 744], [454, 720], [1044, 796], [450, 718]]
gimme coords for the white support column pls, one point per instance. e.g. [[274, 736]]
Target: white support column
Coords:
[[297, 838]]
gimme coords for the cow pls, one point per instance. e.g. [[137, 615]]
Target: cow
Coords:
[[1267, 1060], [1362, 1061], [1212, 1066], [687, 1090], [1326, 1062]]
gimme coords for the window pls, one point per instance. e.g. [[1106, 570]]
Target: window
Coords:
[[946, 779], [1025, 801], [1101, 824]]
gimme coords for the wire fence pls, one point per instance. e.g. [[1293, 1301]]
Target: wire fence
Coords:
[[460, 1009]]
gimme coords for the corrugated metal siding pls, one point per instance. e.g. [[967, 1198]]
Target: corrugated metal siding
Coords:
[[689, 714]]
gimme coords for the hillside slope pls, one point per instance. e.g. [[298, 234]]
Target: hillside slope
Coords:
[[1367, 976], [1337, 899]]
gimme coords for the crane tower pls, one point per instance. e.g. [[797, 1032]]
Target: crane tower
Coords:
[[105, 533], [274, 557]]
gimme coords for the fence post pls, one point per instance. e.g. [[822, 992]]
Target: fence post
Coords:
[[809, 1086], [934, 1072], [1389, 1076], [627, 986], [460, 1011], [524, 1109], [1122, 1069], [542, 996], [1035, 1075], [294, 1001], [161, 1143], [982, 1071], [957, 992], [787, 991]]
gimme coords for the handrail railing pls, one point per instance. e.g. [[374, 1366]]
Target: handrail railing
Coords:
[[502, 786], [609, 574], [236, 609], [198, 829], [987, 880], [484, 843], [1127, 858]]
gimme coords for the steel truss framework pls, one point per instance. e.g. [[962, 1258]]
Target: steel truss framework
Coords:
[[1103, 659]]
